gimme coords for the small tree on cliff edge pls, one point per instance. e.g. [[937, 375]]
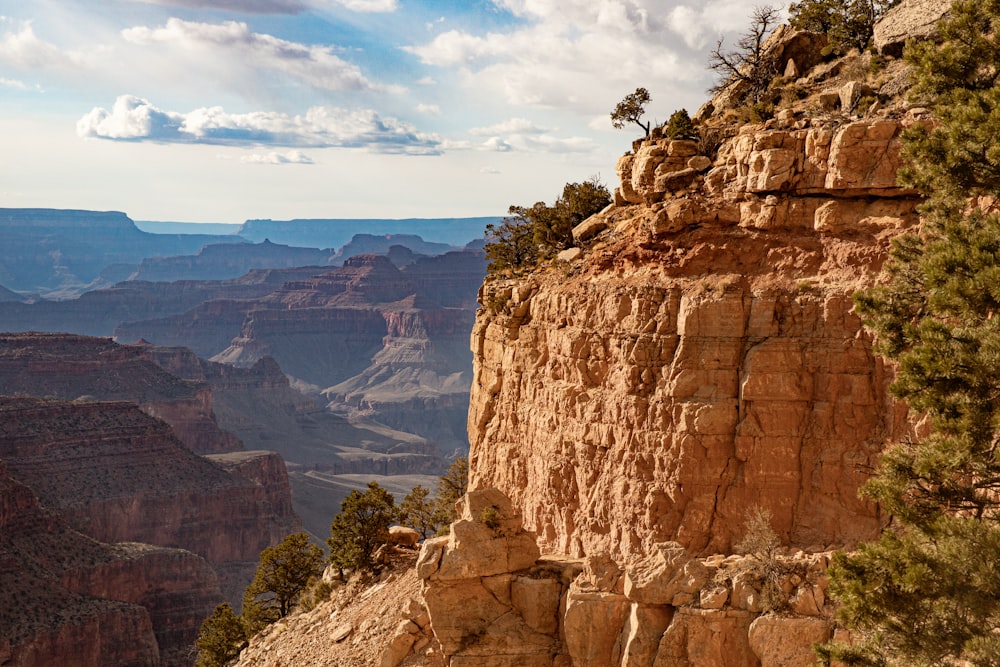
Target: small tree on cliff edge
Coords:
[[361, 527], [748, 63], [928, 592], [631, 109], [221, 638], [283, 573]]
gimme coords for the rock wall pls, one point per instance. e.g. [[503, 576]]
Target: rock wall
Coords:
[[702, 356], [117, 475], [493, 601]]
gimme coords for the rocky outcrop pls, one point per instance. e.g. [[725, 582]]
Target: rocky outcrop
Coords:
[[910, 19], [117, 474], [337, 232], [66, 598], [494, 603], [703, 356]]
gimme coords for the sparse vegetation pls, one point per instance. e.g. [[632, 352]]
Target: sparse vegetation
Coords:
[[221, 638], [361, 527], [748, 63], [417, 511], [847, 23], [532, 233], [761, 544], [282, 575], [450, 489], [680, 126]]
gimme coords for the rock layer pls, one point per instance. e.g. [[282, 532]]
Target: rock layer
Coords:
[[703, 356]]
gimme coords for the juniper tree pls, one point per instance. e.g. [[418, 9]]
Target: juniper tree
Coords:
[[221, 638], [631, 109], [928, 592], [282, 575], [361, 527], [848, 23]]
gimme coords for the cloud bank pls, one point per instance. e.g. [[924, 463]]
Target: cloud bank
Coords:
[[135, 119], [233, 41], [278, 6]]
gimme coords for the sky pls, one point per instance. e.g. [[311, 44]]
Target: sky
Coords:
[[227, 110]]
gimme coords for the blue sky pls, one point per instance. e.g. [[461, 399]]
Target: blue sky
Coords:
[[224, 110]]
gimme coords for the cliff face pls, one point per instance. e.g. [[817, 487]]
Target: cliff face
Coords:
[[81, 368], [117, 474], [702, 356], [66, 598]]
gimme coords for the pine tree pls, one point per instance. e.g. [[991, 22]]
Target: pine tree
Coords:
[[928, 592], [450, 489], [417, 511]]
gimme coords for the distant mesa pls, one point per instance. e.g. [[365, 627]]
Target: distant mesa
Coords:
[[334, 233]]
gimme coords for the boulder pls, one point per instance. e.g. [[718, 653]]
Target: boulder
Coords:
[[669, 576], [915, 19], [403, 536], [782, 641]]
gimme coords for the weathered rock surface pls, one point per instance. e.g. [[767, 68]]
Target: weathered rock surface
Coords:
[[79, 368], [704, 361], [68, 599], [560, 612], [117, 474], [910, 19]]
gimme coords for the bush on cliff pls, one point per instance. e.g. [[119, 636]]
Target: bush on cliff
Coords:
[[221, 638], [928, 592], [530, 234], [361, 528]]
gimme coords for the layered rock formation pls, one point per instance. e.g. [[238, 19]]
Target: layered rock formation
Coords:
[[66, 598], [335, 233], [59, 252], [117, 474], [493, 601], [703, 357], [78, 368]]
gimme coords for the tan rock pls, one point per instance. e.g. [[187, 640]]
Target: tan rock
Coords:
[[699, 163], [851, 92], [592, 624], [916, 19], [403, 536], [569, 254], [783, 641], [398, 649], [642, 632], [589, 228], [537, 601], [713, 598], [706, 638], [669, 576]]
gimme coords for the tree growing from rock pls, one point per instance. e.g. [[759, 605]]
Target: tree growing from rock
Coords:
[[749, 63], [631, 110], [282, 575], [679, 126], [417, 511], [450, 488], [928, 592], [361, 527]]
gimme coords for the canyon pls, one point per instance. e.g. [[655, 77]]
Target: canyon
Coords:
[[671, 420]]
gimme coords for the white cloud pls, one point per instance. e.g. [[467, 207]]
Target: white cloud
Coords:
[[18, 85], [23, 48], [247, 6], [426, 81], [584, 55], [510, 126], [379, 6], [279, 6], [489, 170], [316, 66], [135, 119], [291, 157], [429, 109]]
